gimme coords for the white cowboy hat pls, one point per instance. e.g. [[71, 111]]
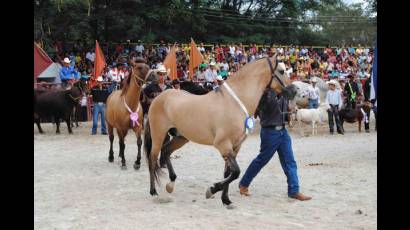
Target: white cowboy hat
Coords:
[[100, 79], [212, 63], [314, 80], [219, 78], [66, 60], [333, 82], [161, 69]]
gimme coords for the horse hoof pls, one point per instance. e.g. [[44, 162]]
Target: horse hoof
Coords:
[[208, 193], [123, 167], [170, 187], [229, 206], [137, 166]]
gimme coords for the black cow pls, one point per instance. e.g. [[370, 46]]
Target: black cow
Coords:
[[57, 104]]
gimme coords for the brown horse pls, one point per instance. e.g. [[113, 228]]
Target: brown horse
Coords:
[[221, 119], [118, 114]]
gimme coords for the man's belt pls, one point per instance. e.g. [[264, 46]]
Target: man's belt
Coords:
[[275, 127]]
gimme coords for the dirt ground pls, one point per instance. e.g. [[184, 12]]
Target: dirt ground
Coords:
[[75, 187]]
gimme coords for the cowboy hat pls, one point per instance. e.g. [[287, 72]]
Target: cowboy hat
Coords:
[[160, 69], [331, 82], [219, 78], [100, 79], [314, 80], [212, 63], [66, 60]]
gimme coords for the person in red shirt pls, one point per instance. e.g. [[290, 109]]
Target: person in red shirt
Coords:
[[119, 48]]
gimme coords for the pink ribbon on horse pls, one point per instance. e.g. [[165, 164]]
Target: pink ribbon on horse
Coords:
[[133, 115]]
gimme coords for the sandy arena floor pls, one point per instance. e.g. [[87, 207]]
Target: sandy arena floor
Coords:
[[75, 187]]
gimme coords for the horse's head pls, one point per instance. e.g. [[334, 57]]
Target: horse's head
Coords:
[[140, 71], [280, 80]]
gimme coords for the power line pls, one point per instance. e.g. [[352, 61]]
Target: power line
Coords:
[[290, 21], [209, 10]]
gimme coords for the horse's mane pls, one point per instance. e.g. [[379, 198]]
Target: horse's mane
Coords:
[[193, 88], [243, 72]]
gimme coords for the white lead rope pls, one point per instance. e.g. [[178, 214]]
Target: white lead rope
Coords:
[[232, 93]]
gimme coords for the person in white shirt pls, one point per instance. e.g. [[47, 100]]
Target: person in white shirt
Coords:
[[90, 56], [210, 75], [313, 95], [225, 65], [139, 48], [232, 50], [334, 101]]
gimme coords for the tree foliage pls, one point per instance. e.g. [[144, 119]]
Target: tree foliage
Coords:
[[305, 22]]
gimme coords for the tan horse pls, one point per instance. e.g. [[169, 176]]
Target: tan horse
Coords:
[[118, 115], [212, 119]]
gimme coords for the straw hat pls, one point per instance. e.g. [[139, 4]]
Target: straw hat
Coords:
[[66, 60]]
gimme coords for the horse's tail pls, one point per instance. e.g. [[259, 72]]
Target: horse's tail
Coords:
[[147, 149]]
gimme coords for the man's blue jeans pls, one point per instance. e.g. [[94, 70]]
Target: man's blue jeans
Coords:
[[313, 103], [271, 141], [99, 109]]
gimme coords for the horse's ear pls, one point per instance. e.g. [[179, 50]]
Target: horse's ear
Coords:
[[133, 64]]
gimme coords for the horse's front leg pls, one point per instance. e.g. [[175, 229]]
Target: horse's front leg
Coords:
[[234, 172], [111, 137], [137, 163], [122, 149]]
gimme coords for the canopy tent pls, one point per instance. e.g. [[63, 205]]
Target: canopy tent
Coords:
[[44, 67]]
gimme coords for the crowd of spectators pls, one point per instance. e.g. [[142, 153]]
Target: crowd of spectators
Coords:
[[302, 62]]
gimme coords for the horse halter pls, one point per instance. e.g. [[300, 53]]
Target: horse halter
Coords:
[[273, 74], [139, 81]]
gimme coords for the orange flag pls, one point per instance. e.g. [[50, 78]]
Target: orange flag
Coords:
[[195, 58], [99, 64], [170, 62]]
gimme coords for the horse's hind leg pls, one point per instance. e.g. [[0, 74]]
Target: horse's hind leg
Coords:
[[162, 160], [154, 137], [176, 143], [111, 137]]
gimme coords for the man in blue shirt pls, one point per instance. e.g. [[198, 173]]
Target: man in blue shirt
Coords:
[[68, 73]]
